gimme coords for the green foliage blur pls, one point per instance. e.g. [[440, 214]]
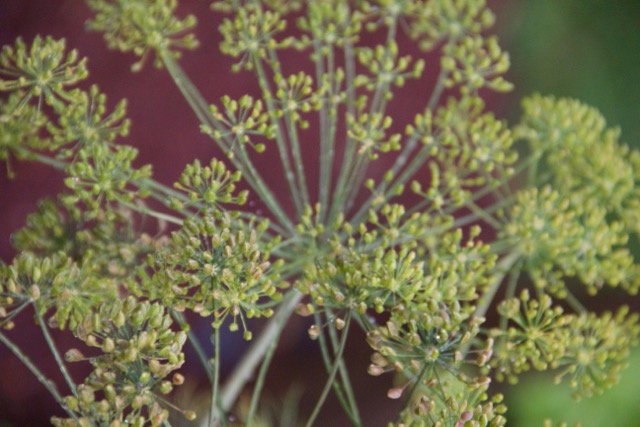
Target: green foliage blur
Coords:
[[589, 50], [584, 49]]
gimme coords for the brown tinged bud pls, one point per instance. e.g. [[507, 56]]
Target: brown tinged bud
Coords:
[[395, 392], [375, 370], [314, 332], [177, 379], [74, 355]]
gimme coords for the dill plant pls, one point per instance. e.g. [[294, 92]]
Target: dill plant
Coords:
[[520, 219]]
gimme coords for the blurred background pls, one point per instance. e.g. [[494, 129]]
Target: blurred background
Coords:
[[586, 49]]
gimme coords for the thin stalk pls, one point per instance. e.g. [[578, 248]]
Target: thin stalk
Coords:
[[334, 370], [416, 162], [252, 357], [195, 344], [260, 382], [14, 313], [575, 303], [415, 386], [344, 376], [472, 217], [290, 175], [54, 351], [294, 143], [200, 108], [434, 99], [50, 161], [324, 350], [325, 159], [503, 267], [483, 215], [509, 293], [355, 181], [48, 384], [297, 159], [148, 211], [215, 398]]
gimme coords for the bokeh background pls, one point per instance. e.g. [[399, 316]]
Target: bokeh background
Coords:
[[586, 49]]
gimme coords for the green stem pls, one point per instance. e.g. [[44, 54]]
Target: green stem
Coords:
[[249, 172], [575, 303], [54, 351], [295, 145], [324, 350], [437, 90], [195, 344], [260, 382], [509, 293], [252, 357], [15, 312], [215, 414], [502, 269], [48, 384], [148, 211], [326, 141], [400, 162], [416, 386], [334, 371], [294, 189], [353, 412]]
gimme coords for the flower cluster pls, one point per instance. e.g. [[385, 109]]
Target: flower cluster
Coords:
[[559, 239], [588, 349], [53, 282], [85, 122], [210, 186], [113, 243], [468, 150], [371, 132], [449, 20], [386, 68], [215, 268], [331, 23], [474, 63], [393, 248], [251, 33], [470, 408], [242, 120], [20, 128], [102, 174], [581, 157], [143, 26], [42, 71], [138, 351]]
